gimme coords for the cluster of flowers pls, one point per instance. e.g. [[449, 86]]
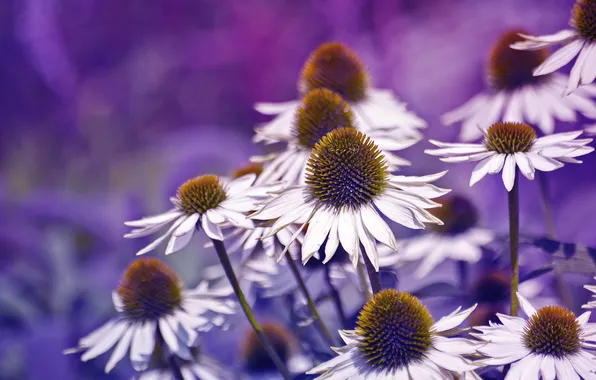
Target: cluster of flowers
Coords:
[[330, 193]]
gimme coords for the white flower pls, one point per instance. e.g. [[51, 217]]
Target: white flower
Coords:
[[208, 202], [591, 304], [337, 68], [346, 182], [151, 302], [321, 112], [509, 144], [201, 367], [581, 39], [395, 338], [515, 95], [458, 238], [551, 344]]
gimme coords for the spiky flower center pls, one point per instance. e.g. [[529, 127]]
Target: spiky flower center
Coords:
[[337, 68], [256, 358], [253, 168], [149, 290], [510, 138], [346, 169], [583, 18], [508, 68], [201, 194], [394, 330], [457, 213], [321, 112], [553, 331]]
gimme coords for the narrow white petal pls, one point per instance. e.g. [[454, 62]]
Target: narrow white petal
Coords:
[[318, 228], [545, 164], [452, 320], [398, 213], [176, 243], [275, 108], [163, 237], [367, 241], [565, 370], [589, 72], [547, 369], [509, 172], [464, 111], [576, 71], [481, 169], [142, 346], [332, 240], [496, 164], [239, 185], [525, 166], [211, 229], [560, 58], [347, 232], [170, 337], [526, 305], [157, 219], [106, 341], [120, 350], [186, 226], [377, 227]]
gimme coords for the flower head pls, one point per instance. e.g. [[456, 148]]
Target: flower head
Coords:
[[153, 305], [515, 94], [591, 304], [252, 168], [255, 358], [507, 144], [459, 237], [580, 40], [208, 202], [347, 180], [509, 69], [583, 19], [396, 337], [335, 67], [551, 343]]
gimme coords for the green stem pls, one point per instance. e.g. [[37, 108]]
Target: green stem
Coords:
[[560, 284], [364, 281], [229, 270], [373, 276], [311, 304], [514, 242], [336, 299]]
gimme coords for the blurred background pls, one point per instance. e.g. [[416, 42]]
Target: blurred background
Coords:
[[106, 106]]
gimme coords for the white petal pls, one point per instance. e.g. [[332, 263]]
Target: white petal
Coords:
[[239, 185], [176, 243], [481, 169], [163, 237], [275, 108], [157, 219], [466, 110], [565, 370], [509, 172], [347, 232], [452, 320], [397, 213], [367, 241], [170, 337], [525, 166], [332, 240], [560, 58], [186, 226], [142, 346], [545, 164], [211, 229], [576, 71], [589, 72], [547, 369], [108, 339], [526, 305], [496, 164], [120, 350], [318, 228], [377, 227]]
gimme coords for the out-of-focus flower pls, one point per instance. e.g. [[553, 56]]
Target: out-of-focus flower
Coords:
[[396, 337], [347, 179], [151, 302], [321, 112], [551, 344], [337, 68], [507, 144], [516, 95], [579, 40], [591, 304], [207, 201], [590, 129], [257, 364], [201, 367], [458, 238]]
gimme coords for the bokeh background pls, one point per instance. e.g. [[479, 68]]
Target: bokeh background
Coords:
[[106, 106]]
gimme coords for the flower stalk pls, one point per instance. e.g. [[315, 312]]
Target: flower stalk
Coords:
[[513, 202], [229, 270]]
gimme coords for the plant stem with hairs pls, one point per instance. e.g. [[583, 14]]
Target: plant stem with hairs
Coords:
[[513, 201]]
